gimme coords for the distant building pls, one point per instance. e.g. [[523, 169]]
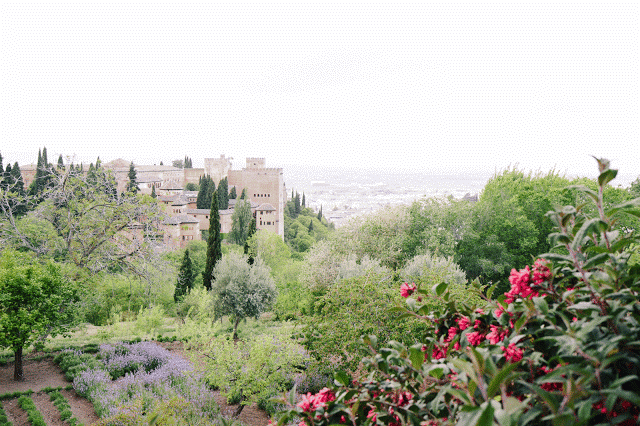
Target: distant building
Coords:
[[265, 189]]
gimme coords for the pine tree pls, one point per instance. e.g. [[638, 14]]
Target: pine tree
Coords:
[[252, 230], [232, 194], [132, 186], [214, 243], [161, 163], [184, 283]]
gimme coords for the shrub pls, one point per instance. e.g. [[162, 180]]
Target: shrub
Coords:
[[560, 347]]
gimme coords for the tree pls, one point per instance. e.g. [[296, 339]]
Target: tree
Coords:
[[153, 192], [243, 195], [186, 277], [132, 186], [242, 290], [214, 243], [60, 165], [190, 186], [35, 300], [252, 230], [232, 194], [223, 194], [241, 219], [178, 164], [161, 163], [304, 200], [188, 164], [320, 213], [297, 204], [82, 222], [205, 193]]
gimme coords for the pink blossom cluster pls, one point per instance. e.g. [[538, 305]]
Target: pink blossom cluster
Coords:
[[512, 353], [400, 399], [407, 290], [311, 402]]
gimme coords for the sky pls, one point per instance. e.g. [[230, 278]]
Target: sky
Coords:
[[442, 88]]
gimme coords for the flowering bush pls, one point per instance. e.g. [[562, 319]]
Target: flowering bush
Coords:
[[148, 376], [560, 347]]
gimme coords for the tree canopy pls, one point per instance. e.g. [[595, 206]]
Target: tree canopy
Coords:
[[36, 300], [242, 290]]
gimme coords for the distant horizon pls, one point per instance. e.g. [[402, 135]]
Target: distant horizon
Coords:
[[624, 177]]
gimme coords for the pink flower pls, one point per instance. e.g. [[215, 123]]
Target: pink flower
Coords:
[[452, 333], [407, 290], [512, 353], [541, 272], [456, 346], [439, 352], [463, 323], [496, 335], [311, 402], [325, 395], [475, 338], [477, 324]]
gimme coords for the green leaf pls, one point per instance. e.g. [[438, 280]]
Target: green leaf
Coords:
[[550, 399], [494, 385], [607, 176], [596, 260], [440, 288], [590, 226], [342, 378], [416, 356], [632, 397], [541, 304], [486, 418]]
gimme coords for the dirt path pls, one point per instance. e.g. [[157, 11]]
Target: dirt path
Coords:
[[37, 375]]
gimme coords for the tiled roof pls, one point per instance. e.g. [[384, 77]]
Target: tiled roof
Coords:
[[266, 207]]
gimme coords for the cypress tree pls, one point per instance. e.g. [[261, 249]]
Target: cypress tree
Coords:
[[60, 163], [17, 180], [161, 163], [243, 195], [214, 243], [232, 194], [184, 283], [311, 225], [132, 186], [153, 192], [297, 204], [45, 160], [35, 187], [252, 230], [320, 213], [223, 194], [1, 167], [304, 202]]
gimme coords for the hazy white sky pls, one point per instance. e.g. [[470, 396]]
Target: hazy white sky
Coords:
[[441, 87]]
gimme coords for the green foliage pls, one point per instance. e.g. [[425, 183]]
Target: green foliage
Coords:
[[149, 320], [242, 290], [186, 277], [560, 347], [303, 229], [205, 193], [252, 370], [132, 185], [35, 301], [33, 415], [196, 305], [508, 224], [223, 194], [190, 186], [349, 309], [232, 193], [214, 243], [241, 221]]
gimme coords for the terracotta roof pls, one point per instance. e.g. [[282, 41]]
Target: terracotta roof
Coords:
[[266, 207], [177, 220]]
